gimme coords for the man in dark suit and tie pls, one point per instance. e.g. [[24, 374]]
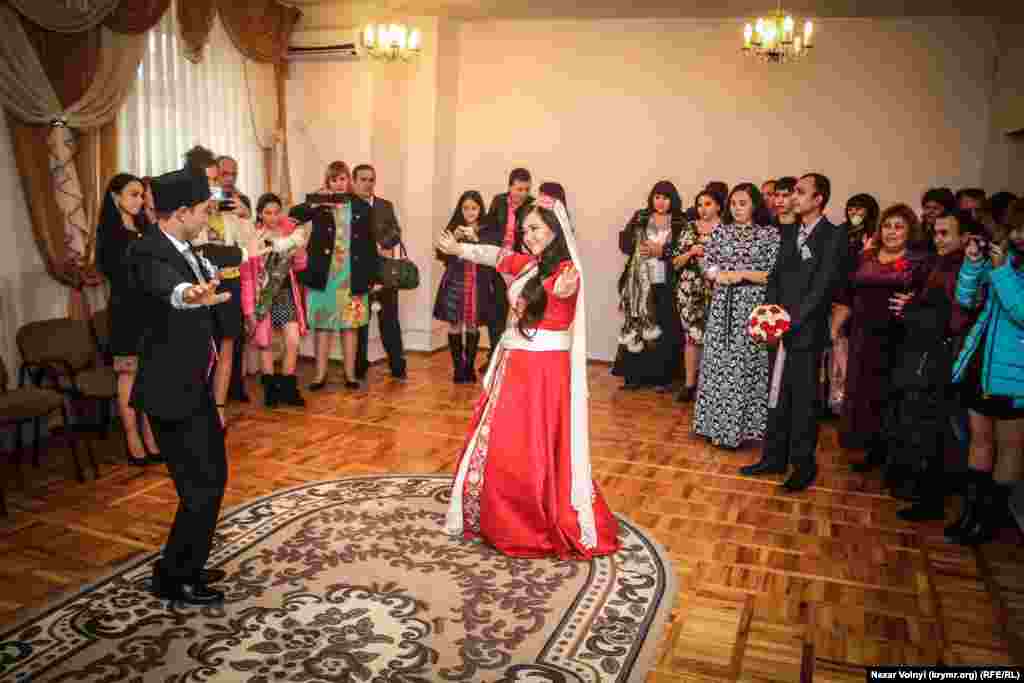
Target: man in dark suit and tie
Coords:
[[174, 385], [807, 271], [506, 213], [387, 234]]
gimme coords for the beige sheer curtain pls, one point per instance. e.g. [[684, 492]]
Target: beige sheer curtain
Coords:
[[176, 104]]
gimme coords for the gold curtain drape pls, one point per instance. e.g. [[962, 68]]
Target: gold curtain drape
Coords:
[[103, 41]]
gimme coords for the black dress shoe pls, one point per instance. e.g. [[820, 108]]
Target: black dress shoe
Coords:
[[208, 576], [801, 478], [191, 593], [762, 466], [400, 373]]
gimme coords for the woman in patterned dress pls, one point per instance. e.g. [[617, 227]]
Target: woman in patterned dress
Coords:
[[693, 291], [465, 299], [273, 299], [732, 393], [342, 306]]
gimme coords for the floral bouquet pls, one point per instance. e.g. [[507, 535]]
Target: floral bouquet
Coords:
[[767, 323]]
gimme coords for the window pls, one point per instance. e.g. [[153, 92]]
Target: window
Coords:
[[176, 105]]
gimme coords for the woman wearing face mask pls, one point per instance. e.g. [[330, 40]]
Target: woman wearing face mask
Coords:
[[650, 341], [123, 222], [861, 225], [732, 393], [524, 480], [693, 291], [988, 371]]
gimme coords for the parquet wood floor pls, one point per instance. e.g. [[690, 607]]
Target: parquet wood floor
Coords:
[[773, 587]]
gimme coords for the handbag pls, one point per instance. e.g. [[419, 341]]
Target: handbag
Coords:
[[398, 273]]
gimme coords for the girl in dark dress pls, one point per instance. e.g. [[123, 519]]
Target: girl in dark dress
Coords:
[[465, 299], [651, 338], [123, 222]]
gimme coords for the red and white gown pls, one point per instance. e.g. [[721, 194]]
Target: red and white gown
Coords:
[[513, 486]]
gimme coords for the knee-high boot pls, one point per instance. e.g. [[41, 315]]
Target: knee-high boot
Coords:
[[976, 524], [458, 365], [472, 343]]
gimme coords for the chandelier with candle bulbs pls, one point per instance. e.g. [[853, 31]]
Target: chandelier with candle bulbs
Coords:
[[773, 38], [392, 42]]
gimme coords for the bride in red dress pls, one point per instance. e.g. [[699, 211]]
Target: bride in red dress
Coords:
[[524, 482]]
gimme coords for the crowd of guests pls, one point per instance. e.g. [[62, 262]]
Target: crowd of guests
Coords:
[[925, 337], [925, 312], [283, 271]]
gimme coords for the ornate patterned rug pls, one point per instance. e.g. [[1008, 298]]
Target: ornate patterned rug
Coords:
[[354, 580]]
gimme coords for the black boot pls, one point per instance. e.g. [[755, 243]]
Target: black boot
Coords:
[[270, 391], [472, 343], [290, 391], [875, 457], [931, 489], [976, 525], [455, 346]]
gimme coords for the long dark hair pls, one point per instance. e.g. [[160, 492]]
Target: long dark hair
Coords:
[[534, 294], [713, 196], [758, 212], [110, 215], [457, 218], [870, 206], [267, 198], [667, 188]]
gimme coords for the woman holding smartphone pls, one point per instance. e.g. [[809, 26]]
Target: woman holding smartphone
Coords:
[[342, 259], [989, 373]]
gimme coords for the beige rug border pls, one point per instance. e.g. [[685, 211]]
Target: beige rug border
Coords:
[[645, 659]]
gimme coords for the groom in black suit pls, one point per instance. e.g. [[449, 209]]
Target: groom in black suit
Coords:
[[807, 271], [174, 385]]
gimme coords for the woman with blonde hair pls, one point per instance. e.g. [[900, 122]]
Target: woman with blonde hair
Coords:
[[342, 261]]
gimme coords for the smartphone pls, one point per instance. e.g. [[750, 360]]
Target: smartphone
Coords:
[[325, 198]]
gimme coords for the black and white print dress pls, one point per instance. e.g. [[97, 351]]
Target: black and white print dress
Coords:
[[732, 391]]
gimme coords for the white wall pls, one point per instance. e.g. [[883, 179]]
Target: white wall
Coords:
[[1004, 159], [400, 118], [27, 292], [609, 107]]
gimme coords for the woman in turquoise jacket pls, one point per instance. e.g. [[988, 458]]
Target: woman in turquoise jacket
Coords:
[[990, 373]]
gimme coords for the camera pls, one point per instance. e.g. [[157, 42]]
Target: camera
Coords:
[[325, 198], [983, 244]]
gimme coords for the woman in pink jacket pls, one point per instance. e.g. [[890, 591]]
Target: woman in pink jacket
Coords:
[[273, 299]]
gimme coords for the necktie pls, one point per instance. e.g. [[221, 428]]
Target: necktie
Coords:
[[510, 227], [805, 232], [193, 263]]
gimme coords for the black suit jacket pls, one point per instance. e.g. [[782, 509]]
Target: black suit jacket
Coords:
[[498, 215], [805, 287], [320, 248], [386, 230], [174, 357]]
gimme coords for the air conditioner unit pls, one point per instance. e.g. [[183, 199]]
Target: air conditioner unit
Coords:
[[325, 45]]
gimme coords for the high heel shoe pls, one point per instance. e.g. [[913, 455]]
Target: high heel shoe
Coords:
[[154, 458], [223, 417]]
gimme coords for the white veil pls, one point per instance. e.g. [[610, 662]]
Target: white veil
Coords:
[[582, 479]]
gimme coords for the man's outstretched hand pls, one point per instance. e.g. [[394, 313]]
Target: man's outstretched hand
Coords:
[[205, 295]]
